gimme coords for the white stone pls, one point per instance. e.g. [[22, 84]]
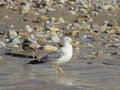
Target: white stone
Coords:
[[49, 48], [12, 33], [28, 28], [55, 37], [25, 8]]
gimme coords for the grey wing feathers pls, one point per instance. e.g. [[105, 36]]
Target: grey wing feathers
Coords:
[[53, 56]]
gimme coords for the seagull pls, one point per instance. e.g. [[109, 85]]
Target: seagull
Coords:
[[30, 45], [61, 55]]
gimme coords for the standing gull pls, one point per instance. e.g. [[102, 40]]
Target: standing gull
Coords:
[[62, 55], [30, 45]]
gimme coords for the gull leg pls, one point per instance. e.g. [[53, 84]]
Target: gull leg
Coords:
[[33, 55], [58, 69]]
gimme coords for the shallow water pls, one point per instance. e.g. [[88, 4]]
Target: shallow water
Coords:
[[16, 74]]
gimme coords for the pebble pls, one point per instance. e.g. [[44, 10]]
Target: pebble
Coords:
[[53, 29], [55, 38], [5, 17], [24, 8], [61, 20], [28, 28], [41, 40], [12, 33], [49, 48]]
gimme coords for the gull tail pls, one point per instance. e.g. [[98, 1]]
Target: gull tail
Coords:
[[34, 62], [38, 61]]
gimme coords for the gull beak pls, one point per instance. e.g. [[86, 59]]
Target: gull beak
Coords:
[[73, 42]]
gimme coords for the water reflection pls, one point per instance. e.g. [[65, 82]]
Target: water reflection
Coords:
[[47, 74]]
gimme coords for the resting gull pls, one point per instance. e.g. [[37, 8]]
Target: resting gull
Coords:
[[62, 55], [30, 45]]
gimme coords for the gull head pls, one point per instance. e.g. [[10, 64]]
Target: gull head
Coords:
[[69, 40]]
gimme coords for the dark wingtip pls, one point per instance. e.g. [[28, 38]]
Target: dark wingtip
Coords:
[[34, 62]]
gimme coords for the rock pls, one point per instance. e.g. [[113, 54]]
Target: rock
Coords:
[[77, 25], [43, 18], [49, 48], [62, 1], [15, 8], [55, 37], [54, 29], [69, 26], [80, 19], [118, 53], [12, 33], [61, 20], [84, 11], [101, 54], [73, 12], [37, 28], [24, 8], [51, 9], [41, 40], [52, 20], [16, 41], [42, 11], [23, 34], [84, 25], [28, 28], [5, 17]]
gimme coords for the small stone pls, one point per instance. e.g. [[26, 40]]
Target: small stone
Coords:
[[84, 10], [54, 29], [77, 25], [12, 33], [41, 40], [55, 37], [79, 19], [43, 18], [42, 11], [15, 8], [51, 9], [28, 28], [101, 54], [24, 8], [61, 20], [16, 41], [73, 12], [84, 25], [37, 28], [23, 34], [5, 17], [118, 53], [49, 48]]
